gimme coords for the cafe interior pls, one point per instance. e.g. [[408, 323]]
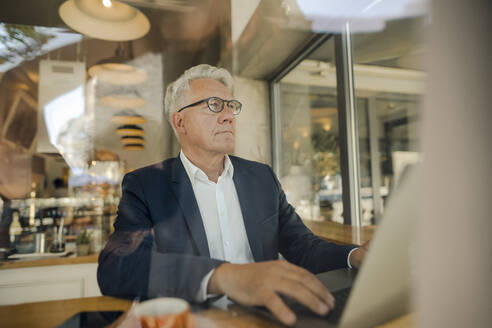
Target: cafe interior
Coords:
[[340, 98]]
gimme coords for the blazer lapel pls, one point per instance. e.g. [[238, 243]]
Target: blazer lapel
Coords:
[[245, 192], [186, 197]]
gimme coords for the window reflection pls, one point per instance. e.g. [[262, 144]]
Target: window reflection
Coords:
[[21, 42], [389, 81], [61, 159], [311, 172], [68, 129]]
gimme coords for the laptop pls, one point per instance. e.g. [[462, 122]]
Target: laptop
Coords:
[[380, 290]]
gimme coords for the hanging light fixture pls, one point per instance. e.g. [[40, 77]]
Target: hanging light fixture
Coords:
[[130, 130], [126, 100], [119, 74], [123, 98], [131, 140], [134, 147], [115, 70], [109, 20], [128, 118]]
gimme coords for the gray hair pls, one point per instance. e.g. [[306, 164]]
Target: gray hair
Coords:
[[174, 92]]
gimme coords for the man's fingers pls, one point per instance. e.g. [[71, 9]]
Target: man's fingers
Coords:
[[311, 282], [315, 286], [275, 304], [300, 293], [247, 285]]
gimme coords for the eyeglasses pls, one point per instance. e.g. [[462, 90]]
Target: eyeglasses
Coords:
[[216, 105]]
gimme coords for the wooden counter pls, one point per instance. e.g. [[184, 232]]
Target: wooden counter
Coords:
[[330, 231], [340, 233], [49, 262], [53, 313]]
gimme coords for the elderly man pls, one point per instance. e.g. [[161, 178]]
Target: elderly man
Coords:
[[206, 224]]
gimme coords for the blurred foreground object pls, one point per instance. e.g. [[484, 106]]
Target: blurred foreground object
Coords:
[[454, 263]]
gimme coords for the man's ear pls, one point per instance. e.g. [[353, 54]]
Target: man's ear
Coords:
[[178, 122]]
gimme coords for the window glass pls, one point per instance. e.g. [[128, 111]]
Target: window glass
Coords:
[[389, 77], [310, 149]]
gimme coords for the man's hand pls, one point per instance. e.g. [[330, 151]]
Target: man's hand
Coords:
[[258, 284], [357, 257]]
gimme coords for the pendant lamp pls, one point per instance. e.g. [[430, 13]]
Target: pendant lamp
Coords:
[[134, 147], [109, 20], [128, 119], [118, 74], [114, 70], [123, 101], [129, 140], [130, 130]]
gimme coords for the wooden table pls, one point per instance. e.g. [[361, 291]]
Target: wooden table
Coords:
[[53, 313], [49, 262], [340, 233]]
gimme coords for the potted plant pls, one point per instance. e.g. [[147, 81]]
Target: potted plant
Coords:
[[83, 243]]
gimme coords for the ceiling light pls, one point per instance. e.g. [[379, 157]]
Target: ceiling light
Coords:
[[134, 147], [106, 20], [123, 101], [119, 74], [130, 130], [128, 140], [123, 118], [115, 70]]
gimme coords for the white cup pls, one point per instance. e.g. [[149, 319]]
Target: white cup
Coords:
[[164, 312]]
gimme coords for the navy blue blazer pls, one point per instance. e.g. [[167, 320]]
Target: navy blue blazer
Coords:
[[159, 246]]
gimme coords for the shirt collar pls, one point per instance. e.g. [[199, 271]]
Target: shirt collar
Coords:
[[228, 168], [195, 172]]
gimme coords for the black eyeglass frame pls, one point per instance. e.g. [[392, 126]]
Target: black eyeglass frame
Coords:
[[206, 100]]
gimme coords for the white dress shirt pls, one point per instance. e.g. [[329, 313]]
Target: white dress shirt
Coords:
[[221, 215]]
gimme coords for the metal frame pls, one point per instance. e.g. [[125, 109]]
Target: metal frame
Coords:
[[375, 158], [276, 123], [312, 45], [349, 145]]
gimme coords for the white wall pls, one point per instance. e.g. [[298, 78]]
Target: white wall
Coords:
[[241, 12], [253, 129]]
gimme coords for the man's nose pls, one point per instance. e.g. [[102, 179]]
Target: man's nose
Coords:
[[226, 115]]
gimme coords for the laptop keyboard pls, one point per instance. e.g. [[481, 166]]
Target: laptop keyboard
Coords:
[[341, 297]]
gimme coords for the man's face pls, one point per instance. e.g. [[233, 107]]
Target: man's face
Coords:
[[201, 129]]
